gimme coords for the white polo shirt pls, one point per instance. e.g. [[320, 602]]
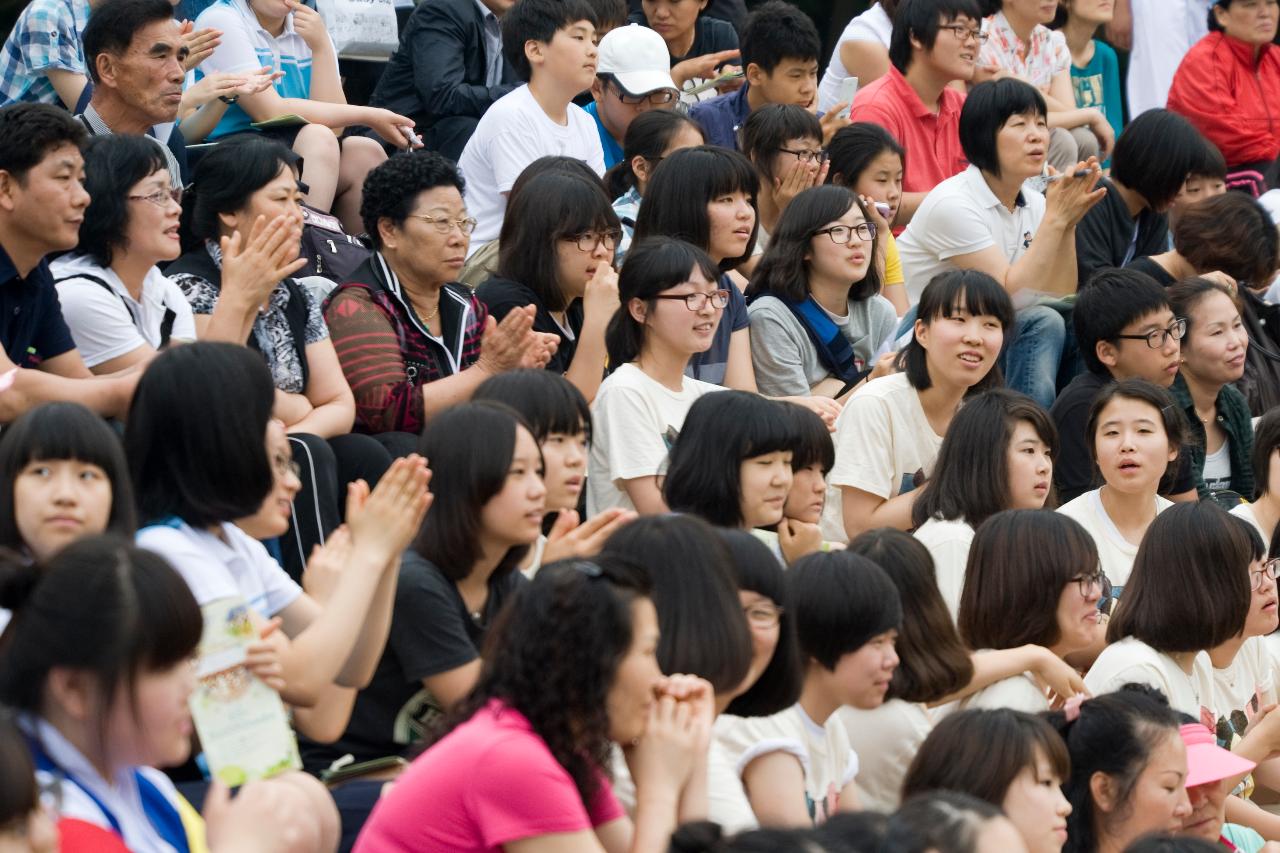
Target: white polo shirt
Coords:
[[959, 216]]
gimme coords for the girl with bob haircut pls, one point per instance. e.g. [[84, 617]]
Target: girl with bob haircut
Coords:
[[1044, 567], [818, 321], [458, 574], [1213, 357], [771, 137], [847, 614], [706, 196], [812, 455], [63, 475], [671, 303], [869, 161], [651, 137], [103, 705], [892, 429], [571, 673], [935, 669], [1134, 434], [120, 308], [557, 248], [1128, 768], [1263, 514], [240, 187], [1011, 759], [997, 455], [731, 464], [1189, 592], [558, 416], [197, 438]]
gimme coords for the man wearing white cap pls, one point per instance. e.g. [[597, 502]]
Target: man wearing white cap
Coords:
[[633, 75]]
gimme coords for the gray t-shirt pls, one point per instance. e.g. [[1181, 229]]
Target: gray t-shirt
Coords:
[[785, 358]]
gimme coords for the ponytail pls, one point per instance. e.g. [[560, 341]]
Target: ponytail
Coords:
[[648, 136]]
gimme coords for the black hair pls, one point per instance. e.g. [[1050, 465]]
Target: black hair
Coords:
[[947, 293], [721, 432], [1154, 155], [113, 163], [939, 822], [61, 430], [933, 663], [114, 23], [551, 164], [1172, 417], [776, 31], [757, 570], [985, 112], [470, 447], [982, 751], [1113, 734], [19, 793], [705, 836], [392, 188], [675, 202], [921, 20], [610, 14], [810, 441], [1165, 843], [842, 601], [703, 630], [652, 266], [1190, 292], [553, 653], [30, 132], [1233, 233], [548, 209], [971, 476], [538, 20], [1211, 163], [196, 434], [768, 129], [1189, 587], [1266, 438], [1020, 561], [854, 147], [131, 611], [226, 178], [784, 268], [648, 136], [1111, 300], [546, 401]]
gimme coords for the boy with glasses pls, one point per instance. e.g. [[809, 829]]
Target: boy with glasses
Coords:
[[633, 75]]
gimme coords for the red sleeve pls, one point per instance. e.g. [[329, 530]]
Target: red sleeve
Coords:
[[1212, 91], [369, 352]]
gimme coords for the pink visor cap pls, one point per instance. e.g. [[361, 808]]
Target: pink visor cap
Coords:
[[1206, 761]]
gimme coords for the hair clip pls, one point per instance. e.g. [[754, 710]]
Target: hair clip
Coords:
[[1071, 709]]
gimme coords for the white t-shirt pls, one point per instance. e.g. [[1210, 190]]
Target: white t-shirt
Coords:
[[873, 25], [1114, 551], [1021, 693], [107, 324], [882, 439], [1133, 661], [959, 216], [948, 543], [1217, 468], [1243, 687], [1245, 511], [727, 802], [514, 132], [824, 753], [1163, 32], [885, 740], [635, 421], [215, 569]]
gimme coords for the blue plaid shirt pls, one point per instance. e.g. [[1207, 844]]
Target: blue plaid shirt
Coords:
[[46, 36]]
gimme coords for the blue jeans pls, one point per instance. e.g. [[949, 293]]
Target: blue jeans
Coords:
[[1032, 359]]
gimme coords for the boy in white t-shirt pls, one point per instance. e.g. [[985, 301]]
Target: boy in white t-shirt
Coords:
[[552, 45]]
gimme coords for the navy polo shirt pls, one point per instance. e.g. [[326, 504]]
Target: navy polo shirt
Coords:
[[31, 325], [721, 116]]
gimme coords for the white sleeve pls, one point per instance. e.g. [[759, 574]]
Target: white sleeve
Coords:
[[636, 447], [235, 53], [208, 579], [279, 590], [99, 322], [955, 227], [864, 448]]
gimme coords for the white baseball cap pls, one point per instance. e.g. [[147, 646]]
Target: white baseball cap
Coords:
[[638, 59]]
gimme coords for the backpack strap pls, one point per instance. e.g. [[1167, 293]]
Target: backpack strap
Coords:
[[832, 347], [166, 324]]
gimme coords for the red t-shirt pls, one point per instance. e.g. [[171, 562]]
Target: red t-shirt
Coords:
[[490, 781], [932, 140]]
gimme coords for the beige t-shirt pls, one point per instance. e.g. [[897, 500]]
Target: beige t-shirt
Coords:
[[1114, 551], [948, 543], [1242, 687], [1245, 511], [1021, 693], [824, 753], [1132, 660], [885, 740], [882, 439]]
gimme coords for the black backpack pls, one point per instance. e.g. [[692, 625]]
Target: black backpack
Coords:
[[330, 251]]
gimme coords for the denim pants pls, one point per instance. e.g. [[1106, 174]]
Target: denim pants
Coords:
[[1032, 359]]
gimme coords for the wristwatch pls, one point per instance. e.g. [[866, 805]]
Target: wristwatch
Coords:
[[228, 99]]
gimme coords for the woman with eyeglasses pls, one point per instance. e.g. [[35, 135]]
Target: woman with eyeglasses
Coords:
[[1213, 359], [120, 308], [818, 321], [412, 341], [784, 143], [556, 254]]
